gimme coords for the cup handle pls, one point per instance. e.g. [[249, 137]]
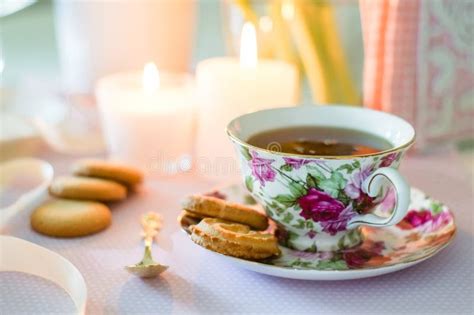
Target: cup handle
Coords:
[[373, 184]]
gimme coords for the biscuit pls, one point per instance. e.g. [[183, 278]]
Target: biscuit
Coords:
[[85, 188], [186, 219], [217, 208], [234, 239], [70, 218], [121, 173], [193, 215]]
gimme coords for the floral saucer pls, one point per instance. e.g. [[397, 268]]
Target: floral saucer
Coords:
[[427, 229]]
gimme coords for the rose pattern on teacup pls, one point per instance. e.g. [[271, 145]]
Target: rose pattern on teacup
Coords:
[[307, 196], [428, 227]]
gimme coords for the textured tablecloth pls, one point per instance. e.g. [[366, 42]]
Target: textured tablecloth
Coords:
[[198, 282]]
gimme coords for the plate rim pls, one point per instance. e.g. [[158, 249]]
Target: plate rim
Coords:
[[313, 274]]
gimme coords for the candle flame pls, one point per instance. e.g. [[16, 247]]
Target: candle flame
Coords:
[[151, 78], [248, 46], [287, 10]]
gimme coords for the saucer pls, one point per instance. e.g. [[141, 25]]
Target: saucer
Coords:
[[427, 229]]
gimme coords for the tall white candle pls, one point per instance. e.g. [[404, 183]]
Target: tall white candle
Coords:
[[148, 119], [228, 87]]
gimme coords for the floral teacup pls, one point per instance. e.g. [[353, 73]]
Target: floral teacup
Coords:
[[319, 201]]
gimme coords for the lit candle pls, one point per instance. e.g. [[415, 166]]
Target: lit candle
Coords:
[[147, 118], [228, 87]]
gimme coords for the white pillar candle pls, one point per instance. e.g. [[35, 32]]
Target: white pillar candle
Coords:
[[147, 119], [228, 87]]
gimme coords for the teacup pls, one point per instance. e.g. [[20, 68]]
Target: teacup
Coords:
[[318, 202]]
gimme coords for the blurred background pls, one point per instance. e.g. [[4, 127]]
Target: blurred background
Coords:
[[411, 58]]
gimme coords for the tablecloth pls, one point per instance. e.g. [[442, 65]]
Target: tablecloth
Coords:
[[200, 283]]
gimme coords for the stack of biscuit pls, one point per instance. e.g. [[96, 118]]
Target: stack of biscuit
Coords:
[[78, 208], [229, 228]]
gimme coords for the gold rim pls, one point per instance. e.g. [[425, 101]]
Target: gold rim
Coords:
[[326, 157]]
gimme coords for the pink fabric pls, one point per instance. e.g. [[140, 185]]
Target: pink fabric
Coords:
[[418, 65]]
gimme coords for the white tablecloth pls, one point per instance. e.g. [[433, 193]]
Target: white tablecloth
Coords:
[[198, 282]]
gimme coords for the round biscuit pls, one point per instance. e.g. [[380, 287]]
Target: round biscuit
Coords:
[[122, 173], [234, 239], [208, 206], [70, 218], [85, 188]]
